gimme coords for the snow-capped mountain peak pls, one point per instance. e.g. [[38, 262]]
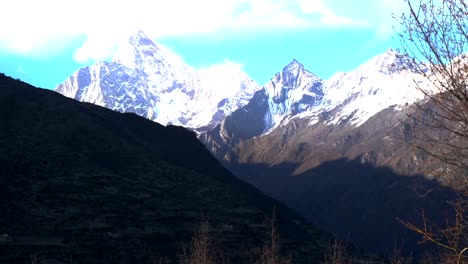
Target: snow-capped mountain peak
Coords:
[[293, 74], [390, 62], [163, 69], [290, 92], [385, 80], [294, 65], [138, 46], [148, 79], [134, 50]]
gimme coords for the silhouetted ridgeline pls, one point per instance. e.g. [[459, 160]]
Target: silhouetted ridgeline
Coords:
[[83, 182]]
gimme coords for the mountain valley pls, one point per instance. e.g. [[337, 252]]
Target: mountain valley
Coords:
[[334, 150]]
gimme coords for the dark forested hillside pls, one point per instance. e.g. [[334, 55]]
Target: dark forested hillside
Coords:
[[83, 183]]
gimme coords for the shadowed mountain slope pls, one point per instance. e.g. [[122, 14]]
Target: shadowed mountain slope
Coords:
[[357, 201], [83, 182], [351, 181]]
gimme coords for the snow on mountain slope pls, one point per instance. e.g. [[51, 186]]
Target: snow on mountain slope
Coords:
[[290, 92], [162, 69], [386, 80], [110, 85], [148, 79], [223, 89]]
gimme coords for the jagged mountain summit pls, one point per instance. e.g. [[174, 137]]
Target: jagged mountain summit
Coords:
[[147, 79], [289, 93]]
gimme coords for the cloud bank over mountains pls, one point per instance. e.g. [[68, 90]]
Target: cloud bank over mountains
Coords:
[[43, 28]]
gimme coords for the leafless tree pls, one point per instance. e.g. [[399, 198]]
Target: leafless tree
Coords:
[[453, 237], [337, 253], [435, 35], [270, 254], [203, 250]]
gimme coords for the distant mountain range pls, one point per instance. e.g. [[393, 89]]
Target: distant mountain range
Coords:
[[83, 184], [334, 149], [147, 79]]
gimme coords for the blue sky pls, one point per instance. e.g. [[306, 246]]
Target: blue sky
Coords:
[[51, 39]]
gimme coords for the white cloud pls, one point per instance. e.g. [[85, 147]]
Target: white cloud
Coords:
[[41, 28], [377, 14], [97, 47], [327, 16]]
